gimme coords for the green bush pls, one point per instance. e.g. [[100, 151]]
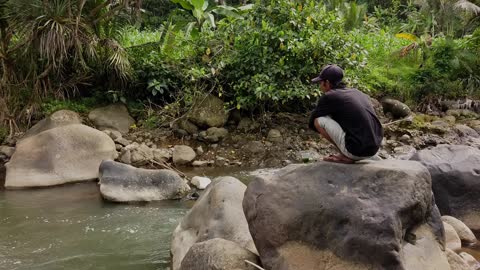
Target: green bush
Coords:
[[266, 59], [158, 58], [385, 73], [446, 71], [270, 56], [151, 122]]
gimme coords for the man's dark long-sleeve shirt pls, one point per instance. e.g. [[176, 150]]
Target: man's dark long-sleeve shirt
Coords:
[[353, 111]]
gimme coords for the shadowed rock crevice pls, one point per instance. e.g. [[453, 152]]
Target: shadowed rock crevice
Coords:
[[456, 184]]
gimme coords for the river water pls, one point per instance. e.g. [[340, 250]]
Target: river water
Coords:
[[70, 227]]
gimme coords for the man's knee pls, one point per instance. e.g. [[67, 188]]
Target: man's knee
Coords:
[[320, 123], [318, 127]]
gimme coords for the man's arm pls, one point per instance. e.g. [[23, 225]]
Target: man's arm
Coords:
[[323, 108]]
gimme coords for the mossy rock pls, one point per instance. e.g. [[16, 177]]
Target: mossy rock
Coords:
[[419, 121], [450, 119], [208, 112], [428, 123], [396, 108], [475, 124]]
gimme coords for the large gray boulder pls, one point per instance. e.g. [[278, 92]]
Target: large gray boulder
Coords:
[[56, 119], [124, 183], [455, 171], [57, 156], [114, 117], [396, 108], [337, 216], [208, 112], [216, 214], [218, 254]]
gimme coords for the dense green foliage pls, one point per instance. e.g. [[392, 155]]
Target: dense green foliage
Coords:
[[54, 49], [267, 58], [256, 55]]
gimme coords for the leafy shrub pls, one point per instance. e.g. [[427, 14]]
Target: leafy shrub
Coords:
[[266, 59], [270, 56], [385, 72], [158, 58], [156, 12], [446, 71], [151, 122]]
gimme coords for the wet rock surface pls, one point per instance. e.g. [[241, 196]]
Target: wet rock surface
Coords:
[[123, 183]]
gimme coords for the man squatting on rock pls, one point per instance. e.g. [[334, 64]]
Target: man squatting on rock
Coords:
[[346, 118]]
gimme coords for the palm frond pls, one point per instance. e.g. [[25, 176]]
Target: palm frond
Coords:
[[467, 6], [53, 46], [117, 59]]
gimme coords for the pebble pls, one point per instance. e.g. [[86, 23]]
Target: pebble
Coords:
[[405, 138], [201, 182]]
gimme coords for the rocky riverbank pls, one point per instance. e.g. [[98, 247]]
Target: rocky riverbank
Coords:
[[209, 136], [324, 216]]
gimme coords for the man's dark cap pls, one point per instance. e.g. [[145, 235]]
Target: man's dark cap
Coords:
[[332, 73]]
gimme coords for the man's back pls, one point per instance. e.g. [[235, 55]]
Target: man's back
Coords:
[[353, 111]]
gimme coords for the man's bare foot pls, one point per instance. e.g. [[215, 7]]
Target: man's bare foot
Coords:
[[339, 159]]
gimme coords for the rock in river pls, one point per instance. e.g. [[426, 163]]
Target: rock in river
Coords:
[[124, 183], [218, 254], [59, 155], [217, 214]]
